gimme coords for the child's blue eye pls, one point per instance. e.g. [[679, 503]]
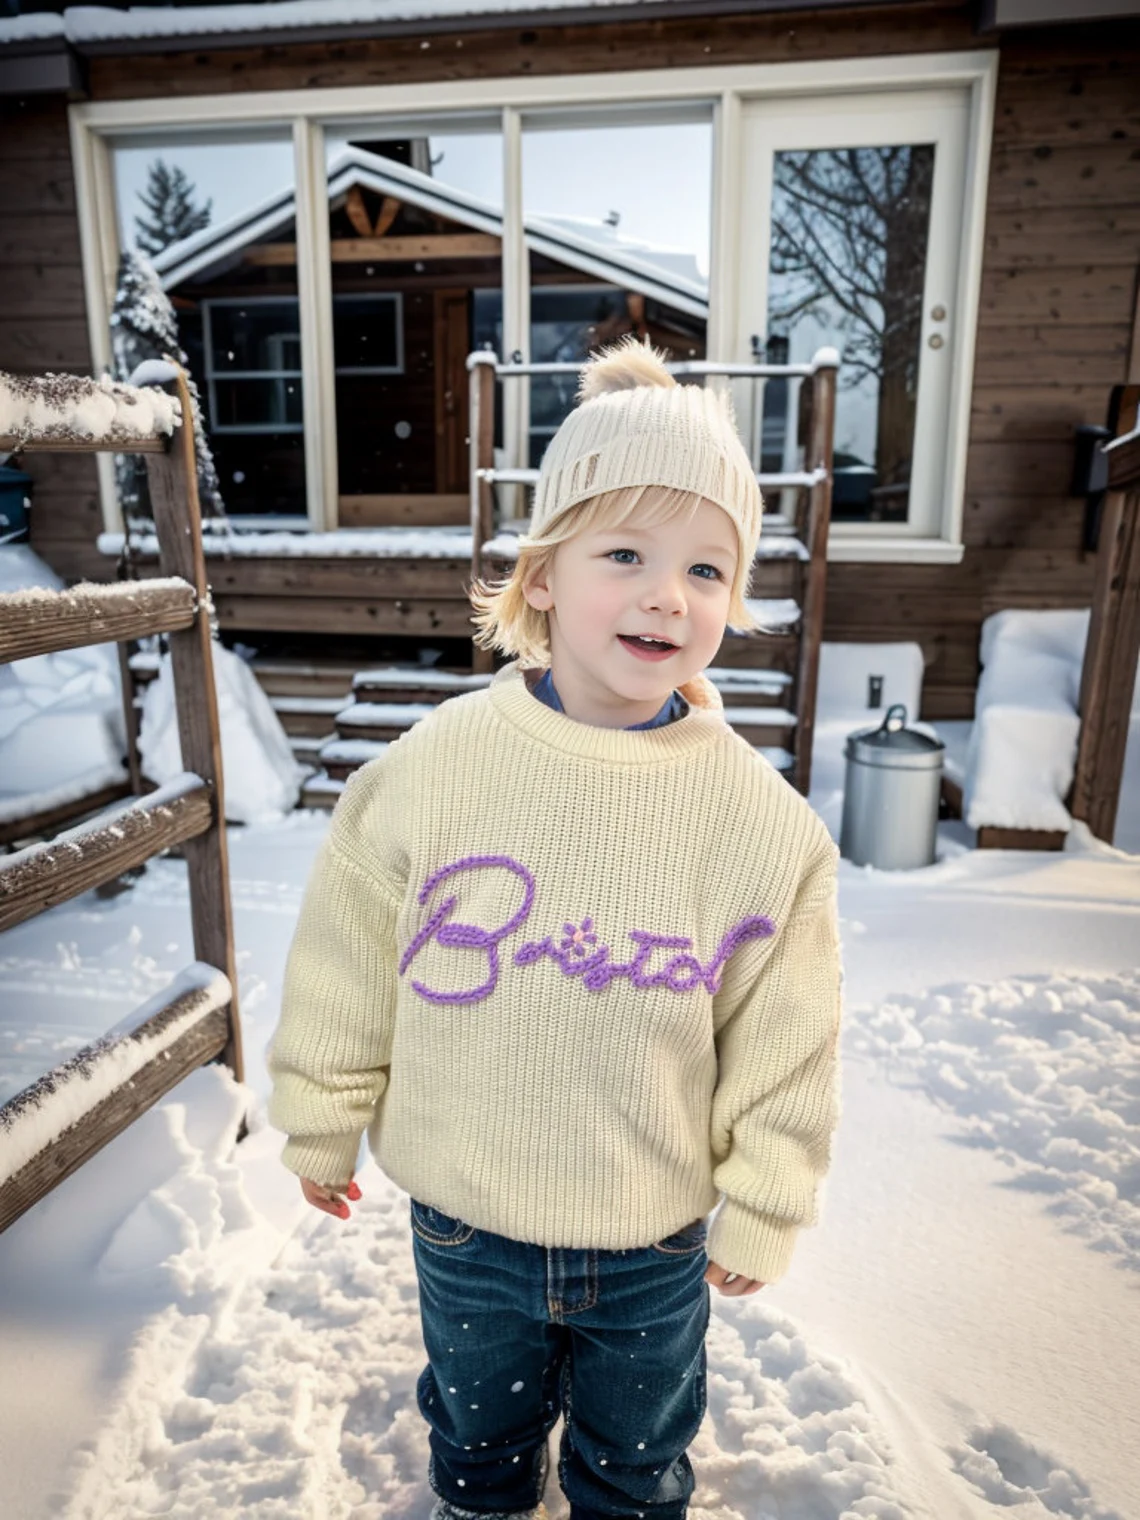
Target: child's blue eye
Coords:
[[703, 566]]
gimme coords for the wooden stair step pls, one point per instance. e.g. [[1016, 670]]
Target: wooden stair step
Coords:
[[340, 757], [779, 613], [760, 717], [307, 715], [746, 681], [380, 720], [321, 791], [421, 683], [307, 747], [304, 678]]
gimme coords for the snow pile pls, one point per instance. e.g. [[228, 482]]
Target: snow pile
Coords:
[[1045, 1069], [61, 714], [62, 1097], [75, 408], [1023, 747], [416, 543], [261, 778]]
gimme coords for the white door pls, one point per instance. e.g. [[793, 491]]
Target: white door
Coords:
[[851, 210]]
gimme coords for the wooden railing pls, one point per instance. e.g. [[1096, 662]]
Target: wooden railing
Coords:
[[811, 519], [52, 1127], [1108, 674]]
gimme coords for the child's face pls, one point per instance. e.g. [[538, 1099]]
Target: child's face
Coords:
[[673, 580]]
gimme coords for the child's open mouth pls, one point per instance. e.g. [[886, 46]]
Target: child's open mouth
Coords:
[[647, 649]]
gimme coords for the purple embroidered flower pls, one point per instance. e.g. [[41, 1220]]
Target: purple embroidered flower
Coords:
[[575, 940]]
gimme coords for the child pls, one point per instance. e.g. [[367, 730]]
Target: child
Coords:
[[570, 955]]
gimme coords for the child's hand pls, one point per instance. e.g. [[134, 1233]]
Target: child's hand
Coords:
[[731, 1285], [328, 1199]]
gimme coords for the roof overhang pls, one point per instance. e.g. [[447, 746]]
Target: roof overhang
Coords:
[[97, 31], [1004, 14]]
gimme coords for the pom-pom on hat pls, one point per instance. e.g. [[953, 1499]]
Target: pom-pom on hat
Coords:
[[635, 426]]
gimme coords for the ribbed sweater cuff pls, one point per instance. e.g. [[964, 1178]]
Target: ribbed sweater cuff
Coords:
[[327, 1159], [755, 1245]]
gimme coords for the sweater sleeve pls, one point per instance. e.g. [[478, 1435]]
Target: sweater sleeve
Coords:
[[776, 1103], [329, 1058]]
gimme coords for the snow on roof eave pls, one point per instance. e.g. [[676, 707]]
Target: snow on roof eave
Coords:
[[95, 30], [605, 261], [386, 176], [201, 249]]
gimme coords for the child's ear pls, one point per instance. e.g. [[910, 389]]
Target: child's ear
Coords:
[[536, 589]]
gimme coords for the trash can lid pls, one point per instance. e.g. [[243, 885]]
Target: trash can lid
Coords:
[[10, 476], [894, 745]]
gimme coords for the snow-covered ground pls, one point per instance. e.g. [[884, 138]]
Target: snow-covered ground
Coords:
[[958, 1337]]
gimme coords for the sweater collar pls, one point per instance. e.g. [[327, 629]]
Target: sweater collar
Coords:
[[513, 699]]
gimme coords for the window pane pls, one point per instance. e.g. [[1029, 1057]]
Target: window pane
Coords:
[[254, 336], [213, 211], [248, 404], [617, 214], [414, 219], [848, 264], [366, 332]]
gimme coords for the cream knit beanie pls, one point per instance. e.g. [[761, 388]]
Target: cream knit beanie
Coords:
[[636, 426]]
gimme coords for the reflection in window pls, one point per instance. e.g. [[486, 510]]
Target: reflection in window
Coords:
[[617, 217], [253, 365], [847, 267], [221, 204], [413, 236]]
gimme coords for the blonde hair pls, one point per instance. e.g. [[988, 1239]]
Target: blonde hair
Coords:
[[507, 621]]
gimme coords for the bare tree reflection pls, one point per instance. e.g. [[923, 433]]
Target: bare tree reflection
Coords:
[[849, 238]]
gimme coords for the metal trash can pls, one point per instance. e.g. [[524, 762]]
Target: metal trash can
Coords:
[[890, 797]]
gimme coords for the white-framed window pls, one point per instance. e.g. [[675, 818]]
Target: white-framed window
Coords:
[[848, 238], [252, 355], [771, 105]]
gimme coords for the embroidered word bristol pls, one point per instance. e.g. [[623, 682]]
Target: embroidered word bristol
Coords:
[[597, 970]]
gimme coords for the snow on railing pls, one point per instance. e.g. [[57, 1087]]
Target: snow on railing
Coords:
[[74, 409], [61, 1098]]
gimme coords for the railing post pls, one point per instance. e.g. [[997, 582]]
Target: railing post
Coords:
[[481, 402], [819, 458], [173, 478], [1108, 673]]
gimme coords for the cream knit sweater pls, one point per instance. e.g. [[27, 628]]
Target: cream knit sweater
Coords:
[[577, 983]]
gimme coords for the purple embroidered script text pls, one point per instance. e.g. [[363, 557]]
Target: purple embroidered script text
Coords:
[[681, 973]]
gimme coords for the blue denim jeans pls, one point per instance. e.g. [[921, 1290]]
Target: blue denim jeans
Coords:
[[518, 1333]]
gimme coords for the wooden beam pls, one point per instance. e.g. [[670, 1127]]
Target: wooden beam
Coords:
[[47, 820], [373, 250], [123, 445], [39, 622], [34, 879], [820, 456], [439, 509], [1020, 839], [108, 1117], [173, 481]]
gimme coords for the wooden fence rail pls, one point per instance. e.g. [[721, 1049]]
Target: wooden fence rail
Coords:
[[56, 1124], [104, 1087], [40, 622], [43, 875]]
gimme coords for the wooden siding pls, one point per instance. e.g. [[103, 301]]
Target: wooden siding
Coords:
[[1062, 247], [43, 324]]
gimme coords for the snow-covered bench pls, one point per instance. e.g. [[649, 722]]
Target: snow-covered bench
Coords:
[[1023, 747]]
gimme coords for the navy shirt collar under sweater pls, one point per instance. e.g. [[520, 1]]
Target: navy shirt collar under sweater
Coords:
[[674, 708]]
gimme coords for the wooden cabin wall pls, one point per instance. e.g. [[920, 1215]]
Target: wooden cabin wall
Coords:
[[1058, 284], [43, 323]]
